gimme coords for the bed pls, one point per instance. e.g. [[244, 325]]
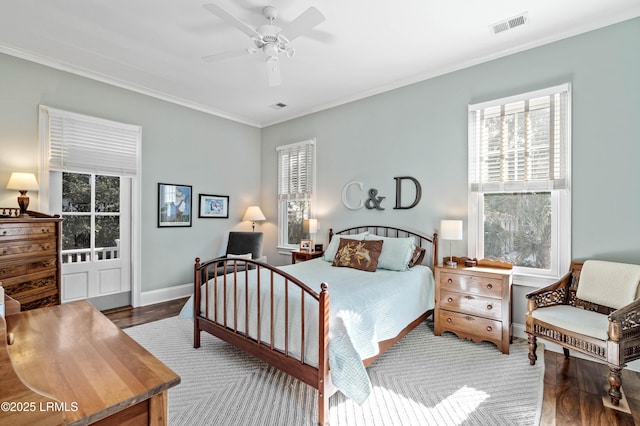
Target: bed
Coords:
[[283, 315]]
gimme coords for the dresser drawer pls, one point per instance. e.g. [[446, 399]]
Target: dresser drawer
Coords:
[[475, 284], [25, 266], [471, 304], [470, 326], [24, 230], [41, 299], [23, 285], [17, 249]]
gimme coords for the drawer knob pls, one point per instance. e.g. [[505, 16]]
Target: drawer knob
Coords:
[[450, 299], [448, 319], [4, 232], [469, 297], [468, 318], [4, 271], [45, 230], [489, 328], [489, 307], [449, 281], [489, 286]]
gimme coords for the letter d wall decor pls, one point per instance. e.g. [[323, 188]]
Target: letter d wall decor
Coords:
[[374, 201]]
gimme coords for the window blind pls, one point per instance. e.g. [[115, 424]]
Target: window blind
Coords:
[[295, 170], [80, 143], [520, 144]]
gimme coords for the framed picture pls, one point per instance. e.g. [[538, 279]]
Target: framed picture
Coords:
[[216, 206], [174, 205], [306, 245]]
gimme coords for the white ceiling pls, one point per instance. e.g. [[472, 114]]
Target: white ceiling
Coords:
[[363, 47]]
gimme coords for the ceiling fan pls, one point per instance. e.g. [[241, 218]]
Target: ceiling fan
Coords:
[[269, 38]]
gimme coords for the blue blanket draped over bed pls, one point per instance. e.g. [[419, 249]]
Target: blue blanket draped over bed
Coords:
[[365, 308]]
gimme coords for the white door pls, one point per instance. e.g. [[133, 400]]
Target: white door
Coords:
[[96, 233]]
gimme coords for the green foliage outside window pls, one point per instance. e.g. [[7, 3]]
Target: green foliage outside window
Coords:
[[76, 208], [517, 228]]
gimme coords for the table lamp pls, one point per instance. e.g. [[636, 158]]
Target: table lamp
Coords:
[[254, 214], [23, 182], [450, 230]]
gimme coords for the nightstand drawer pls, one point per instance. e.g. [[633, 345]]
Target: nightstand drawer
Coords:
[[471, 304], [469, 325], [467, 283]]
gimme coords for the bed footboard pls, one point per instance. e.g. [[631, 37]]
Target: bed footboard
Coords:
[[267, 313]]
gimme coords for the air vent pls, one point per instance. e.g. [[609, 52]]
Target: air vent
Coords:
[[278, 105], [510, 23]]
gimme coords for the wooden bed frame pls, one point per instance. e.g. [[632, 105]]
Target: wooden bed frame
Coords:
[[317, 377]]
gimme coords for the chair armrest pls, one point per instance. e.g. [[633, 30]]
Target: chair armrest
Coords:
[[625, 322], [553, 294]]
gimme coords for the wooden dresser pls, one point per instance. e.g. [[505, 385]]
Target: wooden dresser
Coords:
[[30, 259], [474, 303], [73, 366]]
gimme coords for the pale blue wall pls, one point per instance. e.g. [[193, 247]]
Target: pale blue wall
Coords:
[[418, 130], [179, 145], [421, 131]]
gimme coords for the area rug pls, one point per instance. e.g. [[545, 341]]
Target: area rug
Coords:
[[422, 380]]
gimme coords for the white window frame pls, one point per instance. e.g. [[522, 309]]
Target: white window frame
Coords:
[[287, 194], [560, 198], [101, 164]]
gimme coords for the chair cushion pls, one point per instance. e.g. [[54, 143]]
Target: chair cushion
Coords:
[[609, 284], [578, 320]]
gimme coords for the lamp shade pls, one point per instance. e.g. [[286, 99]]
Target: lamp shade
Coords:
[[23, 182], [253, 214], [451, 229], [310, 226]]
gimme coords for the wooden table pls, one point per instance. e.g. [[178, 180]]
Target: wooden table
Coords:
[[91, 370], [303, 256]]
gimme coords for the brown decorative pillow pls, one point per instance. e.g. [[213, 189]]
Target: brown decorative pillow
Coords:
[[358, 254], [417, 257]]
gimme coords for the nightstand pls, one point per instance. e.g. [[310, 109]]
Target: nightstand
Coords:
[[474, 303], [303, 256]]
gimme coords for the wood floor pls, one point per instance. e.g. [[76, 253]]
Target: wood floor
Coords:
[[573, 388]]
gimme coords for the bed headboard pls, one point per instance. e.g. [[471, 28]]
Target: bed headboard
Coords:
[[429, 243]]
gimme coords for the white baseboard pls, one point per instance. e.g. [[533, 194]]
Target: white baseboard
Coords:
[[519, 331], [165, 294]]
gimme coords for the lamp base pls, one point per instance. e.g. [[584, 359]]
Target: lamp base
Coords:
[[450, 263], [23, 202]]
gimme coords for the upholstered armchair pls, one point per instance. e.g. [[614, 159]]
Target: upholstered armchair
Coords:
[[240, 246], [594, 310]]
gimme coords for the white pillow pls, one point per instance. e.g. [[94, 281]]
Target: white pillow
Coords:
[[332, 248], [396, 252], [240, 256]]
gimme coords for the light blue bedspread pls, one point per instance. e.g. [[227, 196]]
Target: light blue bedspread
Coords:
[[365, 308]]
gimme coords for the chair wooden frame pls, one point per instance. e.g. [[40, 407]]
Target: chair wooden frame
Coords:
[[622, 345]]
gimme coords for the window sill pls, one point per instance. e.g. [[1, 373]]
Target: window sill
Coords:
[[286, 250], [532, 280]]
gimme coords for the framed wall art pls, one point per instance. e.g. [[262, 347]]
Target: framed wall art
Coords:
[[174, 205], [214, 206]]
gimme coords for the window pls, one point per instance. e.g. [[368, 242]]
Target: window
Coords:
[[296, 180], [91, 213], [90, 168], [519, 181]]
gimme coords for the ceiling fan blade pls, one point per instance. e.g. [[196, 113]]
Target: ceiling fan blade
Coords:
[[303, 23], [273, 71], [230, 19], [225, 55]]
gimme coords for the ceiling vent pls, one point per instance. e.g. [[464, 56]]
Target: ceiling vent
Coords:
[[278, 105], [510, 23]]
